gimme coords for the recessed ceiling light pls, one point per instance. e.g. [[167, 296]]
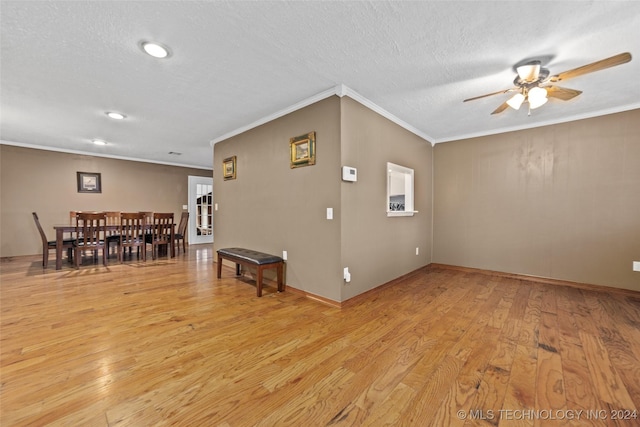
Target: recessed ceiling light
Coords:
[[114, 115], [155, 49], [99, 142]]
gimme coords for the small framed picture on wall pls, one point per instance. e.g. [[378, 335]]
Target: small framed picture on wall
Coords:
[[229, 168], [89, 182], [303, 150]]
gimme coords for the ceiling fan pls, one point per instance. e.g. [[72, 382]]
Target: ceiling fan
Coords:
[[533, 83]]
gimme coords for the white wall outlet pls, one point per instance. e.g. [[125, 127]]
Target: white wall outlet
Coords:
[[636, 265], [185, 207], [329, 213], [215, 206], [284, 255], [347, 275], [417, 251]]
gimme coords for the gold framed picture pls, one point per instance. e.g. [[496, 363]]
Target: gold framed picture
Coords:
[[303, 150], [229, 168]]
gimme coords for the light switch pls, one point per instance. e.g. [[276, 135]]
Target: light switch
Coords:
[[329, 213], [215, 206]]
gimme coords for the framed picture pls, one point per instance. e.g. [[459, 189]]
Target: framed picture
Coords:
[[89, 182], [303, 150], [229, 168]]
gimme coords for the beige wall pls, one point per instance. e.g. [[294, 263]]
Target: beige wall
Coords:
[[45, 182], [271, 207], [377, 248], [560, 201]]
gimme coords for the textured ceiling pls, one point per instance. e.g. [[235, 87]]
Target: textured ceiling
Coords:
[[63, 64]]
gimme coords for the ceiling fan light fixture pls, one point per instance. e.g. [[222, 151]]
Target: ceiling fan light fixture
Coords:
[[529, 72], [535, 103], [537, 97], [516, 101]]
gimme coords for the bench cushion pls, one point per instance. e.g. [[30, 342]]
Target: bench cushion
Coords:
[[254, 257]]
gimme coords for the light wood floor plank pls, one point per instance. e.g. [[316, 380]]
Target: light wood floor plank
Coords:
[[167, 343]]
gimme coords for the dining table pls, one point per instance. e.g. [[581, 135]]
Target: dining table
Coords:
[[67, 228]]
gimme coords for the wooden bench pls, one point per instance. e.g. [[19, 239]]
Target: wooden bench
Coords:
[[250, 258]]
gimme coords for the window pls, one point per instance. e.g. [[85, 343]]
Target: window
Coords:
[[399, 190]]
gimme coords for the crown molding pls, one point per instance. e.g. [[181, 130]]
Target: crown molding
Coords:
[[109, 156], [342, 90], [574, 118], [339, 90], [297, 106]]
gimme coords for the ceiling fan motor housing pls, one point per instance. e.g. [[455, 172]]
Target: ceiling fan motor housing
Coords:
[[530, 75]]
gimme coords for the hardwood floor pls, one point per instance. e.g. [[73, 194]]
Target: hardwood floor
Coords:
[[165, 342]]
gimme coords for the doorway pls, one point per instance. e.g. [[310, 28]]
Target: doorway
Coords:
[[200, 210]]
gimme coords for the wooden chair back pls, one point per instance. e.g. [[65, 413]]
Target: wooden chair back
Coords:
[[162, 227], [90, 234], [184, 219], [113, 217], [133, 227], [43, 236], [182, 231], [162, 231], [148, 216]]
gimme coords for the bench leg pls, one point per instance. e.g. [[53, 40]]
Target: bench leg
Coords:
[[280, 278], [237, 269], [219, 266], [259, 282]]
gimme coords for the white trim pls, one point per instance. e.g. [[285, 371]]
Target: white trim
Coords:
[[297, 106], [577, 117], [384, 113], [401, 213], [338, 90], [194, 239], [109, 156]]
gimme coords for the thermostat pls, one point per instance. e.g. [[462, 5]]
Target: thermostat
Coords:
[[349, 174]]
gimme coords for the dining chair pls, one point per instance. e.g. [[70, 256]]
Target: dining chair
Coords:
[[51, 244], [182, 231], [161, 229], [148, 216], [90, 235], [131, 234], [73, 218], [113, 218]]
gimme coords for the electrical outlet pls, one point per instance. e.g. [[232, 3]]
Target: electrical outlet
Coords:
[[636, 265], [347, 275], [284, 255]]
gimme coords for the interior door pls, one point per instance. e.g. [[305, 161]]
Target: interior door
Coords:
[[200, 210]]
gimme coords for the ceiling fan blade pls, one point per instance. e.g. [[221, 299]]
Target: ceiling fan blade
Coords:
[[491, 94], [594, 66], [501, 108], [562, 93]]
